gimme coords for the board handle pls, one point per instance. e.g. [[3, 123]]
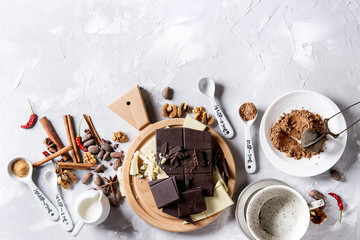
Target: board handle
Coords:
[[131, 108]]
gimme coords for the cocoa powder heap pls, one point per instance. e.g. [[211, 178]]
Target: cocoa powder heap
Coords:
[[247, 111], [286, 133]]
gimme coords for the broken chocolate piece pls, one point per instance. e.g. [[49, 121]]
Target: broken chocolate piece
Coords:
[[164, 148], [192, 202], [165, 192], [175, 150], [199, 157], [203, 180]]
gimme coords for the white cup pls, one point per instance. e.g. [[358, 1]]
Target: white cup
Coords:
[[279, 212], [92, 207]]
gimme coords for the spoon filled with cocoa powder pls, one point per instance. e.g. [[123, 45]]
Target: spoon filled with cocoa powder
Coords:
[[248, 114], [21, 170]]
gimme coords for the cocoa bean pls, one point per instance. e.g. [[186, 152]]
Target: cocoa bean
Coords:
[[97, 179], [85, 179], [106, 156], [89, 142], [335, 175], [86, 137], [116, 154], [315, 194], [94, 149], [117, 163], [101, 153], [106, 146], [99, 168], [167, 93]]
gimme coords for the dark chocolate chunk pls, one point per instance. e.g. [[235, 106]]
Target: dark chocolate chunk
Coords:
[[226, 168], [188, 219], [199, 157], [192, 202], [173, 136], [194, 139], [172, 210], [175, 150], [165, 192], [203, 180], [164, 148]]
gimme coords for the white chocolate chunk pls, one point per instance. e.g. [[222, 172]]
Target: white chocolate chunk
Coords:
[[134, 169], [192, 123], [149, 147], [121, 181]]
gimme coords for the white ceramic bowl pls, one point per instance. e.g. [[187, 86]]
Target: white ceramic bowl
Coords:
[[315, 103], [278, 212]]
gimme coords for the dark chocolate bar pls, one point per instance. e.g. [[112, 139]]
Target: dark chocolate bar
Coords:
[[194, 139], [203, 180], [192, 201]]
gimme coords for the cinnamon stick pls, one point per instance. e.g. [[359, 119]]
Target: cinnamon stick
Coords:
[[50, 131], [92, 129], [73, 136], [77, 166], [52, 156], [69, 138]]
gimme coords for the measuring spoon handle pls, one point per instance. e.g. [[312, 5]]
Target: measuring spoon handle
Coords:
[[65, 218], [249, 158], [224, 124], [44, 202]]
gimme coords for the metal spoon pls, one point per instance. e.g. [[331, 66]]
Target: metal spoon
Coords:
[[313, 140], [249, 159], [207, 87], [48, 208], [66, 221]]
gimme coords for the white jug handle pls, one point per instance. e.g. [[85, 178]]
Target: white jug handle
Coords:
[[316, 204], [77, 228]]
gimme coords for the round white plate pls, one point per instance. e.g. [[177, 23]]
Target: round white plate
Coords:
[[315, 103]]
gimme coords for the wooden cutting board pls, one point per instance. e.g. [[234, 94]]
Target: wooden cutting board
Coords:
[[131, 108]]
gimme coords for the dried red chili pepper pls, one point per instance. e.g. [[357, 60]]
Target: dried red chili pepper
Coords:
[[78, 140], [339, 202], [46, 154], [32, 119]]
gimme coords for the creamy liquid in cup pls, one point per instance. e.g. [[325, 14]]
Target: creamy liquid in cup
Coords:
[[90, 209], [278, 212]]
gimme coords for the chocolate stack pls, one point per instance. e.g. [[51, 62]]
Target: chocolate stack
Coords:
[[186, 156]]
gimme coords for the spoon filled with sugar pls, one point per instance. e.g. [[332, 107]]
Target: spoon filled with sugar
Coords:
[[248, 114], [21, 170]]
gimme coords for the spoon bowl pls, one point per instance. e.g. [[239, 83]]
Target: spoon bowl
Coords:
[[207, 86]]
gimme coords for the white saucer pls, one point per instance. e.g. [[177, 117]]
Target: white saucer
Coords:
[[244, 198], [315, 103]]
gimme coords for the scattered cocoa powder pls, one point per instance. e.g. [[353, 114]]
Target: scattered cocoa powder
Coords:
[[20, 168], [247, 111], [286, 133]]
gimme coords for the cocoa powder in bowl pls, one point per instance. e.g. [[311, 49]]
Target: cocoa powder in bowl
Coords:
[[285, 134], [247, 111]]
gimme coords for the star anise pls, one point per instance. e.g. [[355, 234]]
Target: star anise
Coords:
[[109, 186]]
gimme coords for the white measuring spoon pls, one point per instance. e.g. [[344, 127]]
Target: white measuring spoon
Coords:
[[65, 218], [207, 87], [44, 202], [249, 158]]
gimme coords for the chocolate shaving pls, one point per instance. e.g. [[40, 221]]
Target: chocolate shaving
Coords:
[[175, 149], [164, 148]]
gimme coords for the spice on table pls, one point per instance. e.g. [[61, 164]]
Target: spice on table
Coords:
[[339, 202], [20, 168], [78, 140], [46, 154], [248, 111], [32, 119]]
